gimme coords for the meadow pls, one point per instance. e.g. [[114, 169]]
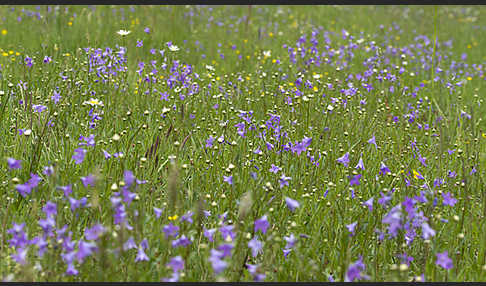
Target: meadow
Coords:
[[242, 143]]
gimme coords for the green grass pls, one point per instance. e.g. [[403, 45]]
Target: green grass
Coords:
[[164, 141]]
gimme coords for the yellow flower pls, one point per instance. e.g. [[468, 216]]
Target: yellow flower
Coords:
[[4, 32], [174, 217], [484, 135], [469, 78], [417, 175], [270, 34], [70, 23], [315, 88], [5, 54], [10, 52]]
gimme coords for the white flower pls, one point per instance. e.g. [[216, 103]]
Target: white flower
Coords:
[[317, 76], [165, 110], [173, 48], [330, 107], [208, 67], [93, 102], [123, 32], [267, 54]]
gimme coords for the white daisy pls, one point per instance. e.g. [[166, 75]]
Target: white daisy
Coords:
[[173, 48], [123, 32], [93, 102]]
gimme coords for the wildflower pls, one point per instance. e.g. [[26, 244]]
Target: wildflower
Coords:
[[176, 263], [39, 107], [27, 187], [355, 180], [355, 271], [291, 240], [405, 259], [141, 256], [448, 199], [422, 160], [286, 252], [139, 43], [209, 142], [427, 231], [393, 219], [226, 249], [94, 232], [352, 227], [372, 140], [274, 169], [253, 269], [66, 189], [291, 204], [170, 230], [173, 278], [50, 209], [77, 203], [209, 234], [473, 170], [443, 260], [417, 175], [79, 155], [147, 30], [129, 244], [85, 249], [173, 48], [228, 179], [360, 164], [93, 102], [384, 169], [261, 224], [71, 270], [344, 159], [106, 154], [255, 245], [217, 263], [284, 180], [123, 32], [13, 164], [88, 180], [28, 61], [48, 171], [158, 212], [369, 204], [181, 241], [144, 243], [227, 231]]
